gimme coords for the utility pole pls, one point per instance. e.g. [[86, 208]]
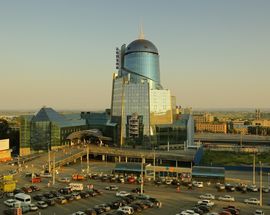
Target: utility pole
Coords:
[[53, 182], [49, 159], [261, 197], [254, 169], [87, 157], [142, 176], [154, 164]]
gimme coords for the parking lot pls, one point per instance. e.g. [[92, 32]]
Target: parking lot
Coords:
[[173, 201]]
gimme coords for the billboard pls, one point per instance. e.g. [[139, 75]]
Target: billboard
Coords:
[[4, 144]]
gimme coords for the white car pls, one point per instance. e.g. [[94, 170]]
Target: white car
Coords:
[[112, 187], [126, 210], [33, 207], [206, 202], [168, 181], [79, 213], [189, 212], [42, 204], [46, 175], [226, 198], [207, 196], [122, 193], [198, 184], [252, 188], [253, 201], [64, 180], [10, 202], [258, 212]]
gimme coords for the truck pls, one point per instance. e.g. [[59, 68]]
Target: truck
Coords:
[[7, 184]]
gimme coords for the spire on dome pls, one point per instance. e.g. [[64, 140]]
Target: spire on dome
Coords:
[[141, 35]]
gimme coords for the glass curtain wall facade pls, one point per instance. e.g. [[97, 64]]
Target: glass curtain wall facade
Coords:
[[143, 63]]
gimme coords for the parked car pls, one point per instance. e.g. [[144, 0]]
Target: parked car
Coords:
[[34, 188], [48, 195], [136, 190], [76, 196], [26, 189], [64, 180], [229, 187], [33, 207], [122, 193], [10, 202], [50, 202], [198, 184], [226, 198], [252, 188], [258, 212], [112, 187], [207, 196], [39, 197], [206, 202], [189, 212], [79, 213], [42, 204], [126, 209], [253, 201], [61, 200], [84, 194], [90, 211], [220, 187]]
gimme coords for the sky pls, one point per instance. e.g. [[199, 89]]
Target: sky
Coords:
[[61, 53]]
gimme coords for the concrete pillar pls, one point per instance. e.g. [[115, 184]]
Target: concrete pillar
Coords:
[[119, 159], [103, 157], [81, 160], [74, 160], [126, 159]]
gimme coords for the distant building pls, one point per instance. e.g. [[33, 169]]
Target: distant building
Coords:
[[261, 122], [238, 127], [5, 151], [206, 117], [47, 130], [211, 127]]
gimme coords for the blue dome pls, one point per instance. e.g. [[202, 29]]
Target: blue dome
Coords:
[[141, 45]]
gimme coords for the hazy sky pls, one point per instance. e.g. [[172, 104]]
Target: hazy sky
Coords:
[[61, 53]]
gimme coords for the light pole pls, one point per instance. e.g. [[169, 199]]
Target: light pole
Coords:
[[87, 157], [254, 168], [49, 159], [53, 182], [268, 177], [261, 197], [142, 175], [154, 164]]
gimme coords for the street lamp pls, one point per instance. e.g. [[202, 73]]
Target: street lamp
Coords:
[[87, 157], [254, 168], [142, 174], [261, 198]]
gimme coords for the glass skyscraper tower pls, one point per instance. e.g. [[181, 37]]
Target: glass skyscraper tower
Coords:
[[139, 102]]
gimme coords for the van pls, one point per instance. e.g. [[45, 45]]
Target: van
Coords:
[[76, 186], [24, 198]]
